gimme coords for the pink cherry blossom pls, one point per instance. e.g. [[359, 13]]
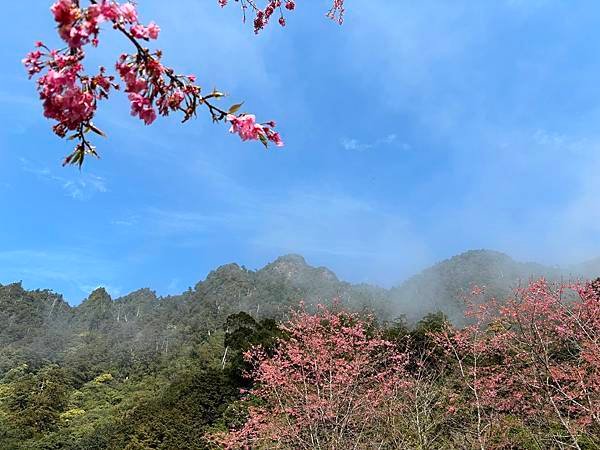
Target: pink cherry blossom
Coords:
[[128, 13], [33, 63], [536, 356], [142, 106], [65, 11], [145, 32], [153, 30], [246, 127]]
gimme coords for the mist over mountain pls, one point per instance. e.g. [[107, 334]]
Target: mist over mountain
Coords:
[[41, 320], [586, 269], [444, 286]]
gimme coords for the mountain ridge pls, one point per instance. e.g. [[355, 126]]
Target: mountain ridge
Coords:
[[438, 287]]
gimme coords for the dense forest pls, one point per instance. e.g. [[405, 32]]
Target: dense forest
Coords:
[[176, 372]]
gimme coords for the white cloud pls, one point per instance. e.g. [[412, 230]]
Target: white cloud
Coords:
[[357, 145], [125, 222], [85, 187], [79, 186], [533, 195]]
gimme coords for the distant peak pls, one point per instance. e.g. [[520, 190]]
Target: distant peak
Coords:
[[230, 271], [473, 256], [100, 291], [226, 269], [291, 258], [98, 295], [288, 265], [18, 285], [145, 291], [294, 267], [482, 252]]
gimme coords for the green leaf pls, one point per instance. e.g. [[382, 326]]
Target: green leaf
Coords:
[[97, 130], [263, 139], [235, 108]]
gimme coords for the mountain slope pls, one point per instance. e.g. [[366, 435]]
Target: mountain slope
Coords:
[[444, 286], [39, 325]]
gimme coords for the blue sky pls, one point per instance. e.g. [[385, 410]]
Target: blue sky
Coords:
[[415, 131]]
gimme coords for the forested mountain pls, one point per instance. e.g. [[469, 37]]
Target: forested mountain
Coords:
[[444, 286], [38, 326], [143, 371]]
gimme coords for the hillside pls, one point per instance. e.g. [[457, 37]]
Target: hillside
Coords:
[[39, 326], [444, 286], [143, 371], [28, 316]]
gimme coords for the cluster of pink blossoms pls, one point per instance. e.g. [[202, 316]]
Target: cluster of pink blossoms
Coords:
[[247, 128], [80, 26], [70, 97], [139, 78], [337, 11], [262, 16]]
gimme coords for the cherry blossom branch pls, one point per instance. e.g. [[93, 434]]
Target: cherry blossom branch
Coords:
[[262, 16], [70, 97]]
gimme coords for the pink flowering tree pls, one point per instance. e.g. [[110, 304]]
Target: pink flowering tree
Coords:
[[70, 96], [531, 363], [525, 373], [331, 384]]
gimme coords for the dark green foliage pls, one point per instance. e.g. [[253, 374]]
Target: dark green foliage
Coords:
[[179, 416], [241, 333], [34, 326], [431, 323], [34, 402], [418, 338]]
